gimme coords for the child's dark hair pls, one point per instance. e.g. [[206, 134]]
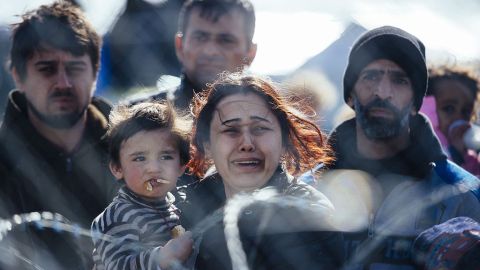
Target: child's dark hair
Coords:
[[464, 75], [126, 121]]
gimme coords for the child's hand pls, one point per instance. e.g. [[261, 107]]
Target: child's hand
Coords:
[[455, 135], [177, 249]]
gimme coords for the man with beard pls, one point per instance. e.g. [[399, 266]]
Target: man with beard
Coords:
[[213, 36], [53, 155], [416, 187]]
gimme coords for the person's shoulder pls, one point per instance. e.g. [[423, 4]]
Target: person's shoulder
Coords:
[[200, 199], [307, 192], [342, 133], [116, 213], [140, 98], [451, 173], [162, 95], [164, 90], [102, 104], [209, 189], [346, 125]]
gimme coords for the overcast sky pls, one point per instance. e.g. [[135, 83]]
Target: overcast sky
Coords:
[[289, 32]]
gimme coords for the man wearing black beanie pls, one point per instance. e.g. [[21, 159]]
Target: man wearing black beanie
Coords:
[[385, 82]]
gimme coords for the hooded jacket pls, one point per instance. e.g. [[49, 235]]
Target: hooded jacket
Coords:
[[419, 188], [39, 176]]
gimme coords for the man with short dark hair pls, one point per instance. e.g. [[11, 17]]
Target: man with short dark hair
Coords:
[[385, 82], [213, 36], [52, 150]]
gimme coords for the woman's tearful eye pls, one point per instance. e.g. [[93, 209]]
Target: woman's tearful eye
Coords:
[[258, 130]]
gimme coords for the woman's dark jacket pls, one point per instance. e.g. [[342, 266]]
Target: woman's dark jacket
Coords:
[[273, 235]]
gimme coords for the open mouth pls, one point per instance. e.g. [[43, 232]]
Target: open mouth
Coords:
[[150, 184], [247, 163]]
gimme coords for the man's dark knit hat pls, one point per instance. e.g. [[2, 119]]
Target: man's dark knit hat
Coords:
[[393, 44]]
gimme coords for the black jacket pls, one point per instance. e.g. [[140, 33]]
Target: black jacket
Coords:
[[413, 190], [273, 235], [37, 176]]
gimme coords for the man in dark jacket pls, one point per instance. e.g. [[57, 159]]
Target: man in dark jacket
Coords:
[[385, 82], [213, 36], [53, 155]]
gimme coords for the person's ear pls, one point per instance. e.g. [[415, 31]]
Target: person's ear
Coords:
[[350, 99], [250, 55], [17, 79], [179, 46], [116, 170]]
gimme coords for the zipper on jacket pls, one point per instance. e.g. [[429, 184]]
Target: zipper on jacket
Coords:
[[370, 226], [68, 165]]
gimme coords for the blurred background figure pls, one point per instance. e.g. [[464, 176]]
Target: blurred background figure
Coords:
[[139, 47], [322, 76], [6, 81], [310, 90], [319, 33], [213, 36], [450, 104]]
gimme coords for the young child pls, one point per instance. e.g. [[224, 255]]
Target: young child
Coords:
[[149, 148], [450, 102]]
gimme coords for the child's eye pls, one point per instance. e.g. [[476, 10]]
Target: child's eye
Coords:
[[166, 157], [139, 158], [449, 109]]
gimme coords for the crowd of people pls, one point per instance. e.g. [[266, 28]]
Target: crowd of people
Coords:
[[226, 170]]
